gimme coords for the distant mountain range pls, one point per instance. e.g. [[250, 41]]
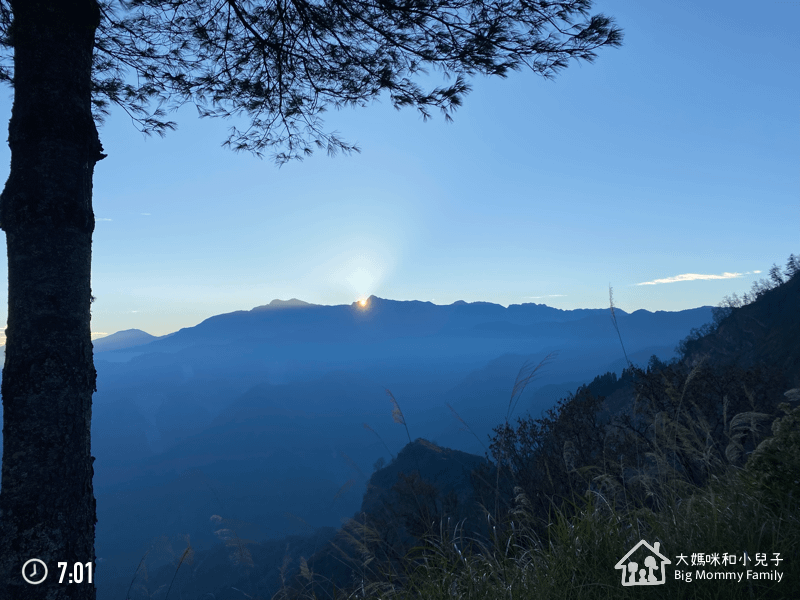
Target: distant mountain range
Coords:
[[129, 338], [259, 424], [255, 414], [474, 325]]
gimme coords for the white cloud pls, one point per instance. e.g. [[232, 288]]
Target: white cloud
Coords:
[[697, 276], [102, 219], [145, 214]]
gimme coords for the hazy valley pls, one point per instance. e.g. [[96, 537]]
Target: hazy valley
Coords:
[[259, 415]]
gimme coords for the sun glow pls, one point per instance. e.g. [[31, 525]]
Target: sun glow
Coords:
[[362, 302]]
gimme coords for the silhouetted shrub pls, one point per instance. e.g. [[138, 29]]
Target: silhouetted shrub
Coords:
[[774, 466]]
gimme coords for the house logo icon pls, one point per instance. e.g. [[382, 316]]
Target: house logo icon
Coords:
[[654, 561]]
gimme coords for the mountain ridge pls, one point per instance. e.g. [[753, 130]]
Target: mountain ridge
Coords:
[[381, 319]]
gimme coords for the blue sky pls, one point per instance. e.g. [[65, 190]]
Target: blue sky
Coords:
[[668, 169]]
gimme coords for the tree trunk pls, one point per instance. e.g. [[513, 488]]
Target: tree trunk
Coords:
[[47, 505]]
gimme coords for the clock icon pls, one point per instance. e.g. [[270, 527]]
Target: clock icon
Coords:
[[34, 571]]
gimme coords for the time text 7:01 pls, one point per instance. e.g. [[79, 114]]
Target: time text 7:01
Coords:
[[77, 572]]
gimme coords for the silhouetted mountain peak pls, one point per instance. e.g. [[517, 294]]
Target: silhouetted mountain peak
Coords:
[[422, 474], [292, 303], [128, 338]]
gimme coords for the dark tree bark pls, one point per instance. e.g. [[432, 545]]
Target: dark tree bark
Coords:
[[47, 505]]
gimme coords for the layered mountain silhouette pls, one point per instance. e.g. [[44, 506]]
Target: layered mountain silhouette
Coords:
[[463, 324], [764, 332], [129, 338], [258, 415]]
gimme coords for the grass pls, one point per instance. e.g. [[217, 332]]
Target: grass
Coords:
[[575, 558], [682, 490]]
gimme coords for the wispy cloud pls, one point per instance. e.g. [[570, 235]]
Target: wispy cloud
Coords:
[[103, 219], [696, 276], [548, 296], [145, 214]]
